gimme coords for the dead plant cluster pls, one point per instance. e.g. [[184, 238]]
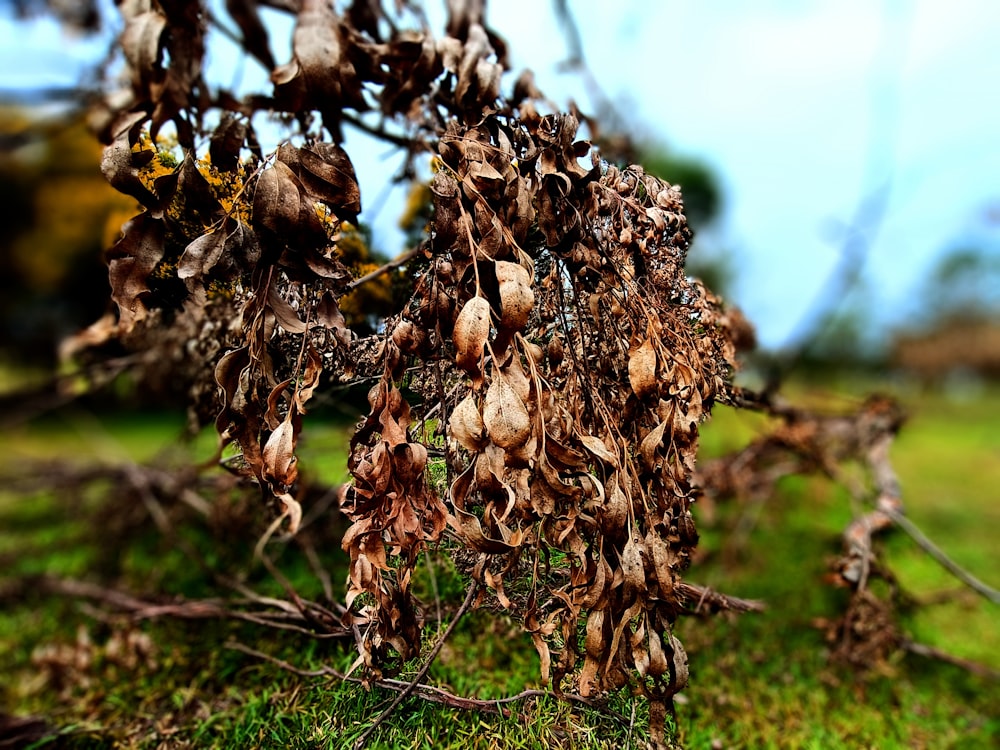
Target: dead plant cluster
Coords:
[[553, 361]]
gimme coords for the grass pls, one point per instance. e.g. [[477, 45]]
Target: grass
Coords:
[[760, 681]]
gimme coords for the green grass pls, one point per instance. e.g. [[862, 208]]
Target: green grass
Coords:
[[759, 681], [764, 681]]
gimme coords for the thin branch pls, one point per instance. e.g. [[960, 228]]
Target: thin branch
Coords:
[[288, 666], [392, 265], [469, 597], [938, 554], [930, 652], [708, 601], [198, 609], [138, 609], [402, 141], [432, 693]]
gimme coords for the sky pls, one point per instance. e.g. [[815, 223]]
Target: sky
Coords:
[[803, 109]]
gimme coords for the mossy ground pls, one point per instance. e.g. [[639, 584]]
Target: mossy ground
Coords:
[[757, 681]]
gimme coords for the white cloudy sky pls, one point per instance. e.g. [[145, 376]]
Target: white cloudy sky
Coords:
[[801, 107]]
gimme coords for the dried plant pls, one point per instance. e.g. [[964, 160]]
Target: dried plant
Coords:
[[553, 362]]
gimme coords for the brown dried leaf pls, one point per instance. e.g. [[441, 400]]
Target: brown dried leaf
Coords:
[[472, 329], [279, 455], [310, 379], [594, 644], [328, 314], [284, 313], [642, 369], [517, 378], [657, 664], [329, 176], [277, 200], [201, 255], [471, 530], [650, 444], [516, 295], [319, 264], [632, 567], [614, 513], [119, 163], [664, 560], [130, 262], [228, 372], [272, 416], [227, 140], [465, 425], [140, 42], [678, 663], [596, 446], [478, 79], [598, 585], [505, 415]]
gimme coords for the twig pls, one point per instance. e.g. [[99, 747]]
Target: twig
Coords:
[[137, 608], [938, 554], [469, 597], [198, 609], [316, 565], [410, 144], [930, 652], [433, 693], [709, 601], [288, 666], [390, 266]]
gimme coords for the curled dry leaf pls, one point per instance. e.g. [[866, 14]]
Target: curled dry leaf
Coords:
[[201, 255], [130, 263], [227, 141], [642, 369], [472, 329], [516, 296], [465, 425], [279, 455], [140, 41], [597, 446], [120, 164], [284, 313], [650, 445], [277, 200], [504, 414]]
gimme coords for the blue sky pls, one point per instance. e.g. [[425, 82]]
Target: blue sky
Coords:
[[801, 108]]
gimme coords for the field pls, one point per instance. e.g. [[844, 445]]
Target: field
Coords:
[[757, 681]]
